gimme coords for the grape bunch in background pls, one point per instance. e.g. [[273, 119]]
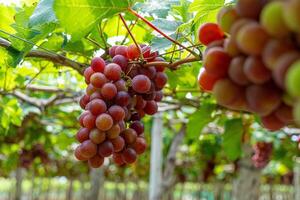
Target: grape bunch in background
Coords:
[[252, 60], [119, 93], [262, 154], [27, 156]]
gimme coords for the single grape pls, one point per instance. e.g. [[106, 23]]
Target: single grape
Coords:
[[82, 135], [97, 136], [133, 52], [118, 143], [150, 72], [113, 71], [272, 123], [249, 8], [98, 80], [121, 61], [272, 19], [121, 50], [151, 108], [117, 158], [129, 155], [226, 17], [89, 121], [129, 135], [160, 80], [141, 84], [104, 122], [159, 68], [216, 62], [237, 25], [88, 72], [140, 145], [97, 107], [90, 89], [108, 91], [209, 32], [252, 38], [292, 80], [112, 51], [88, 149], [84, 100], [114, 131], [106, 149], [291, 15], [285, 114], [121, 85], [122, 98], [256, 71], [95, 95], [236, 71], [158, 96], [96, 161], [117, 113], [78, 155], [98, 64], [138, 127], [206, 81], [140, 102], [80, 119], [230, 46]]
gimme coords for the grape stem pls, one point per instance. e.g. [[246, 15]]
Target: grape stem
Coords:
[[132, 37], [174, 65], [160, 32]]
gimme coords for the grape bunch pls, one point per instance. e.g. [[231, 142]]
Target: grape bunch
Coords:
[[27, 156], [252, 60], [119, 94], [262, 154]]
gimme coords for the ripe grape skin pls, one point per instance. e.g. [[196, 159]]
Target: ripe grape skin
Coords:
[[121, 85], [236, 71], [141, 84], [113, 72], [282, 65], [285, 114], [158, 96], [98, 64], [140, 102], [97, 107], [206, 81], [256, 71], [274, 49], [90, 89], [117, 113], [96, 161], [118, 160], [138, 127], [209, 32], [230, 46], [272, 123], [216, 62], [226, 17], [81, 117], [151, 107], [78, 155], [84, 100], [237, 26], [89, 121], [82, 135], [108, 91], [106, 149], [226, 92], [112, 51], [251, 39], [160, 80], [104, 122], [133, 52], [263, 99], [121, 50], [113, 132], [159, 68], [88, 149], [98, 80], [140, 145], [129, 135], [97, 136], [121, 61], [88, 72], [249, 8], [129, 155], [118, 143], [122, 98]]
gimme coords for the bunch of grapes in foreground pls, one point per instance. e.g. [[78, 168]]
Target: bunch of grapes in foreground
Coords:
[[119, 94], [262, 154], [252, 60]]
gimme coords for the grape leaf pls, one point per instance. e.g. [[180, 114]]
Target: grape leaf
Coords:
[[43, 13], [79, 17], [199, 119], [232, 138]]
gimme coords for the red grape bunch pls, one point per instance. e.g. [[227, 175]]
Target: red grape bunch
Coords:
[[119, 94], [27, 156], [262, 154], [252, 60]]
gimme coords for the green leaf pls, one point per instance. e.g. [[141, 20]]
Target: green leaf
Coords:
[[7, 18], [205, 5], [43, 13], [167, 26], [198, 120], [79, 17], [232, 138]]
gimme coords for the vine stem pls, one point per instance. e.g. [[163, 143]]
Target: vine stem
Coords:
[[160, 32], [132, 37], [173, 65]]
